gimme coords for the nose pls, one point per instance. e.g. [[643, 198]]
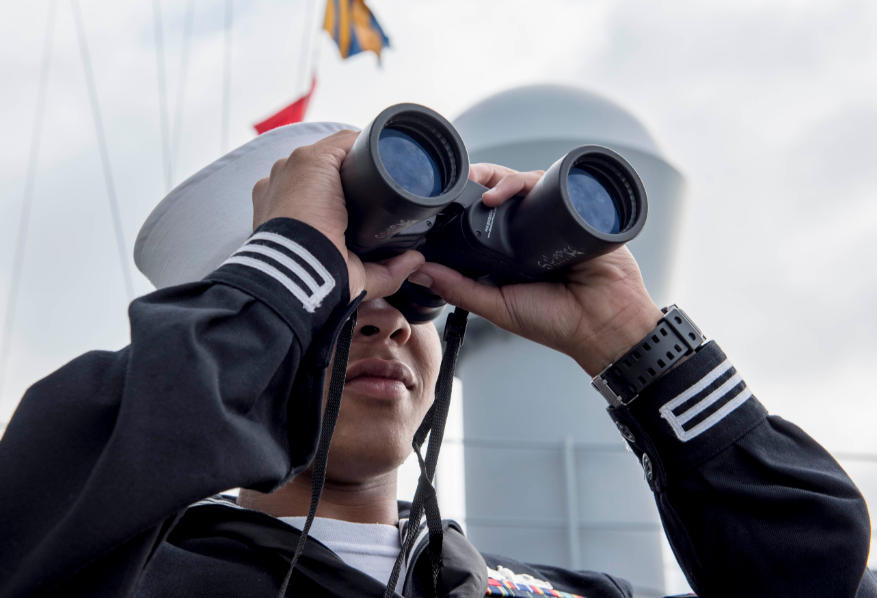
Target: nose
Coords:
[[377, 320]]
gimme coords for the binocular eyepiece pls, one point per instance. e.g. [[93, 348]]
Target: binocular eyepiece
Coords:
[[406, 183]]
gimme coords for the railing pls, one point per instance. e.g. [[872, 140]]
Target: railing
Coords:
[[568, 448], [572, 524]]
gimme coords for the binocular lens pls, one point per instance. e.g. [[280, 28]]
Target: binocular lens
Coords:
[[409, 163], [593, 201]]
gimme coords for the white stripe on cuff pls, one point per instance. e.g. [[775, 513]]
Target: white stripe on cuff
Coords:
[[283, 261], [296, 249], [310, 298], [723, 392]]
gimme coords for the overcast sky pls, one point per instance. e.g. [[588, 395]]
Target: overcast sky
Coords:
[[767, 106]]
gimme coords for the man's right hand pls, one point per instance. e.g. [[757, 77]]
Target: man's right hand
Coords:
[[306, 186]]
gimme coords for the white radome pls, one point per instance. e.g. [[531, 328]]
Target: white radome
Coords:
[[551, 112], [547, 477]]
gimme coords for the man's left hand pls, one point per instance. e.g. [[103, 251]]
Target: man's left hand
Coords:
[[595, 315]]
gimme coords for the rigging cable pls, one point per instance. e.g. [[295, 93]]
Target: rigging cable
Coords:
[[301, 79], [315, 48], [181, 86], [104, 152], [162, 93], [226, 76], [30, 181]]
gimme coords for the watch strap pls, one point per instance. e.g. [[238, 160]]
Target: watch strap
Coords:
[[674, 337]]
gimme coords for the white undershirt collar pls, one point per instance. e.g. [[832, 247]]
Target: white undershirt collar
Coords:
[[370, 547]]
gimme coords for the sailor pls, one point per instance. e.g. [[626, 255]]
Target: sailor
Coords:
[[110, 466]]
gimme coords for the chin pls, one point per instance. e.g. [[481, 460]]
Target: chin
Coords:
[[373, 436], [367, 451], [357, 471]]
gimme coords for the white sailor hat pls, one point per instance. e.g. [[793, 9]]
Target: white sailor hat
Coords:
[[210, 215]]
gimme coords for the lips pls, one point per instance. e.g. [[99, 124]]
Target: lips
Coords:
[[380, 368]]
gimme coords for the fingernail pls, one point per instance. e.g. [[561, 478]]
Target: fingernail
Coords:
[[421, 279]]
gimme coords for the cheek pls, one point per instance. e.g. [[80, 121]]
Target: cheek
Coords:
[[427, 350]]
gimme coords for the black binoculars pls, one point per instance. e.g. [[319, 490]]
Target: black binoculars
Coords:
[[406, 182]]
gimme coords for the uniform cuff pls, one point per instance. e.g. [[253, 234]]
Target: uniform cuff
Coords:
[[294, 269], [688, 416]]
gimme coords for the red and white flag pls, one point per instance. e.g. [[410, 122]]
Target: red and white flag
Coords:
[[294, 113]]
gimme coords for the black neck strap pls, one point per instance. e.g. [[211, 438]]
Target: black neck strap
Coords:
[[433, 426], [330, 418]]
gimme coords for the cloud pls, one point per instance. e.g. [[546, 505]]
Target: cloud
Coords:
[[765, 105], [833, 157]]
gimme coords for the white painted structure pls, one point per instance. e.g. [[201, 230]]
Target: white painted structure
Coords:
[[547, 477]]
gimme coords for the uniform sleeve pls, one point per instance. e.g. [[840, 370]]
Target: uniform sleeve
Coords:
[[102, 455], [751, 504]]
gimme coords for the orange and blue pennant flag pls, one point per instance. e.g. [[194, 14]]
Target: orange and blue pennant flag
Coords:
[[354, 28]]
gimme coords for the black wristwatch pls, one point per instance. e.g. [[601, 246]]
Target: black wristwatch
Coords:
[[674, 337]]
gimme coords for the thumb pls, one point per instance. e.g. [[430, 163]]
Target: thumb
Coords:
[[385, 278], [461, 291]]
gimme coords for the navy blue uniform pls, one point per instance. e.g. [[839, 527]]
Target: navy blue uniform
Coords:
[[221, 387]]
